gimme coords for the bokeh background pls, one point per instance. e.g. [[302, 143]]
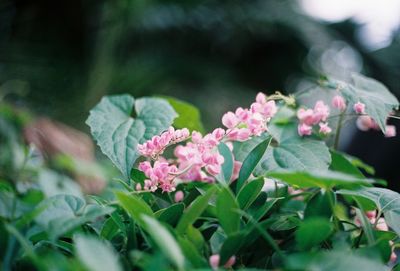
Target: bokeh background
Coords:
[[58, 58]]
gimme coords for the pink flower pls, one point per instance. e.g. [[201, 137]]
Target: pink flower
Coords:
[[242, 114], [261, 98], [359, 108], [214, 261], [269, 109], [306, 116], [390, 131], [321, 112], [161, 174], [230, 120], [304, 129], [324, 128], [179, 195], [364, 123], [213, 162], [339, 102], [239, 134], [381, 224]]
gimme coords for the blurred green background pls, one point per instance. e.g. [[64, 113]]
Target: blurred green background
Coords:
[[58, 58]]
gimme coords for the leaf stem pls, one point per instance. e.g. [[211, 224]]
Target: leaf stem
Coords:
[[338, 130]]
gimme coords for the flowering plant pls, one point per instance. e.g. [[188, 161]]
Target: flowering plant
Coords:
[[266, 190]]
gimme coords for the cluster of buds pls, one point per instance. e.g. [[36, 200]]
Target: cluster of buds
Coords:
[[310, 117]]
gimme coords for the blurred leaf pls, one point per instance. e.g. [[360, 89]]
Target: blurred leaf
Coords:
[[64, 213], [164, 240], [313, 231], [196, 208], [134, 206], [117, 133], [319, 205], [227, 211], [227, 166], [251, 161], [171, 214], [231, 246], [248, 194], [188, 115], [323, 179], [192, 255], [95, 254], [341, 164], [385, 200], [333, 261], [360, 164]]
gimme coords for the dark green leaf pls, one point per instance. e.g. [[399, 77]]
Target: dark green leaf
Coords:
[[251, 161], [134, 206], [248, 194], [227, 166], [227, 208]]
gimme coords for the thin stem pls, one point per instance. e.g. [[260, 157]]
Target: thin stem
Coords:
[[338, 130]]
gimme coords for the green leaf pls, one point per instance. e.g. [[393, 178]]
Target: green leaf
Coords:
[[385, 200], [319, 205], [333, 261], [164, 240], [378, 100], [313, 231], [227, 208], [248, 194], [95, 254], [227, 166], [323, 179], [231, 246], [191, 253], [117, 133], [188, 115], [296, 154], [197, 207], [251, 161], [341, 164], [134, 206]]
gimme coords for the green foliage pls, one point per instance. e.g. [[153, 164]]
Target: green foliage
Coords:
[[296, 205], [188, 115]]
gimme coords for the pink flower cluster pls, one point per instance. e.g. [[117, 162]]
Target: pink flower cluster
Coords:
[[160, 175], [198, 154], [310, 117], [199, 159], [245, 123], [156, 146]]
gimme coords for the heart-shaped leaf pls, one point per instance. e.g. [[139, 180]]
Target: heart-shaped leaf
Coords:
[[118, 133]]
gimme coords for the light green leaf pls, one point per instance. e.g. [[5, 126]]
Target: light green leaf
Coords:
[[227, 208], [95, 254], [189, 116], [164, 240], [321, 178], [118, 133]]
